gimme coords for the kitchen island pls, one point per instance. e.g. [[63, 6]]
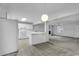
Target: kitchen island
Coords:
[[38, 37]]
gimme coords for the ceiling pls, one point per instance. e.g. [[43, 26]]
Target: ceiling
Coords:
[[33, 11]]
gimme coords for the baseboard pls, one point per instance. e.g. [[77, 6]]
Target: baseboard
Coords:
[[11, 54], [65, 36]]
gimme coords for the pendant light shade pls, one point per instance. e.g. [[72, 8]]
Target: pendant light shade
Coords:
[[44, 17]]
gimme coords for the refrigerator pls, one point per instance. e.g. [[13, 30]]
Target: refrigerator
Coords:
[[8, 36]]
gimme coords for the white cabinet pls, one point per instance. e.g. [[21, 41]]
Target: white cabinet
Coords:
[[38, 37], [24, 30], [2, 13]]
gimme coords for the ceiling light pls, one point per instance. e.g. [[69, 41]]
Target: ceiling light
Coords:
[[44, 17], [23, 19]]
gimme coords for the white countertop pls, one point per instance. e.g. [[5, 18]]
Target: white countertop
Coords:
[[38, 32]]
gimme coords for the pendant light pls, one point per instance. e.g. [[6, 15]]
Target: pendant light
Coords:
[[44, 16]]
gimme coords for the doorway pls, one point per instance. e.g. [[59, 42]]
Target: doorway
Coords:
[[24, 35]]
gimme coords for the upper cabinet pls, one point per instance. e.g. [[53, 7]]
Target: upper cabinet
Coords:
[[2, 13]]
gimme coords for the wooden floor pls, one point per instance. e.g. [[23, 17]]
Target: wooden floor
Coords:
[[57, 46]]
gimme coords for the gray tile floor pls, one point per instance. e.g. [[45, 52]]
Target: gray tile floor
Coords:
[[57, 46]]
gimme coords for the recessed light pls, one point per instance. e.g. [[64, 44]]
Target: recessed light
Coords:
[[23, 19]]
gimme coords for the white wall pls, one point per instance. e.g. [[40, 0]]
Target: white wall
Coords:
[[69, 25], [8, 36]]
